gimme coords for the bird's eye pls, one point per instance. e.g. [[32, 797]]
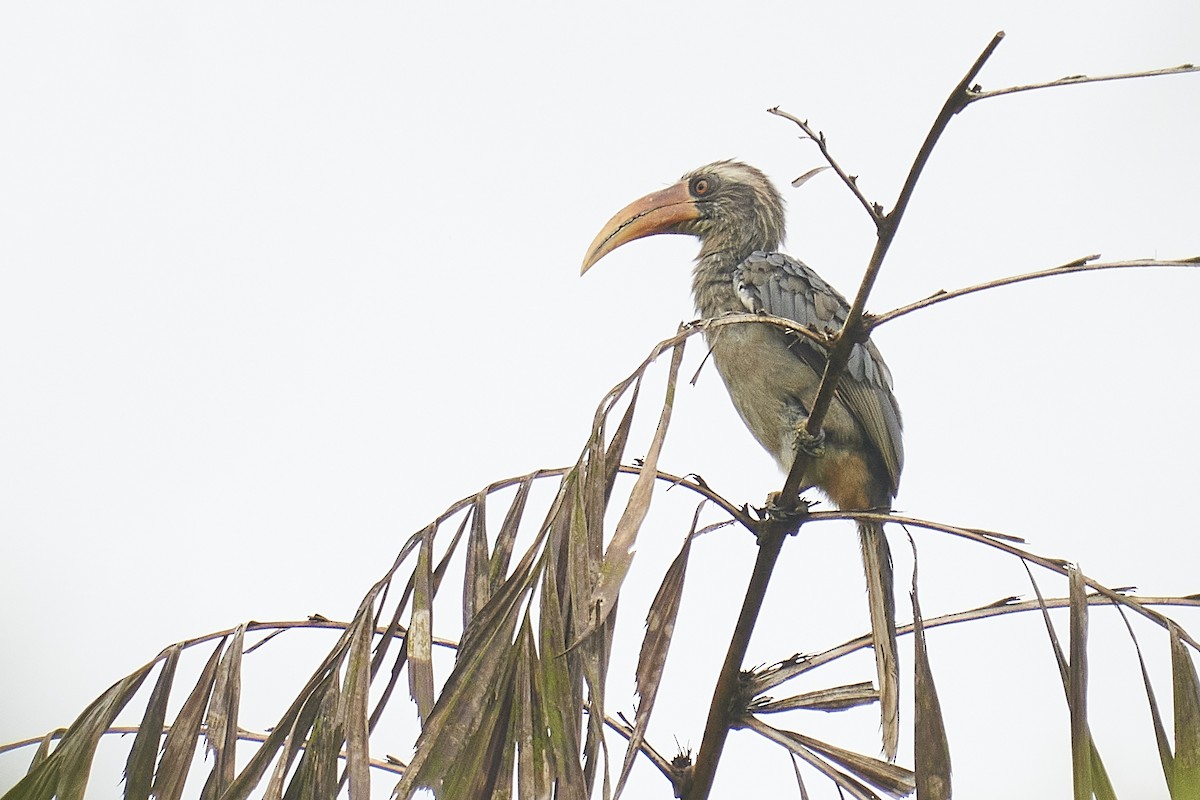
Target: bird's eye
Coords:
[[700, 187]]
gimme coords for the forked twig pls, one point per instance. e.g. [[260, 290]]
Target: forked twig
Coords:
[[873, 209]]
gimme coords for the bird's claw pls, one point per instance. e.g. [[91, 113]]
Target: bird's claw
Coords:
[[812, 444]]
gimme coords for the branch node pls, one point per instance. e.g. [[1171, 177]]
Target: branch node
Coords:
[[860, 331], [682, 769]]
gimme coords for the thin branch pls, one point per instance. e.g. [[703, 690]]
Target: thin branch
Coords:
[[656, 758], [874, 210], [1083, 264], [1073, 80]]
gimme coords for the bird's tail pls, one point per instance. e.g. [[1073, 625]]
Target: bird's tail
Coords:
[[877, 563]]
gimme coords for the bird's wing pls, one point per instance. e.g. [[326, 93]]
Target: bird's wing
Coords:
[[784, 287]]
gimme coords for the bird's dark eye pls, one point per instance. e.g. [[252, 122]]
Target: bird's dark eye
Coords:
[[700, 187]]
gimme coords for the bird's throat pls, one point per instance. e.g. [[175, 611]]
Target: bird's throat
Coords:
[[712, 283]]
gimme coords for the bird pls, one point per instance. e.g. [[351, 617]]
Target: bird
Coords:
[[772, 376]]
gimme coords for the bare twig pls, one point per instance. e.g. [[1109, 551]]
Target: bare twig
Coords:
[[874, 210], [1074, 80], [1083, 264]]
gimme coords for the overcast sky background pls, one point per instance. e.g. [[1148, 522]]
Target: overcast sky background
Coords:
[[281, 281]]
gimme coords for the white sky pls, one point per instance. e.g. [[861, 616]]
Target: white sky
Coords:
[[281, 281]]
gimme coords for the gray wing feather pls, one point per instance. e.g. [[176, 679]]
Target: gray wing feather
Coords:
[[776, 284]]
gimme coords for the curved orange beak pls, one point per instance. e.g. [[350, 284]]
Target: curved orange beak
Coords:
[[658, 212]]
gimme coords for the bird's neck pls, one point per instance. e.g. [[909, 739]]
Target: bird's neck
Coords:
[[712, 282]]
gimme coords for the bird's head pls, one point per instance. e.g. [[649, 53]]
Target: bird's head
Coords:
[[729, 205]]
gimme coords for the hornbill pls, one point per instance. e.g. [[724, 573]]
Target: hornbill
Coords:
[[772, 376]]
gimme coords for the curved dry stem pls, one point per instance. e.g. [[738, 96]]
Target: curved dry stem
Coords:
[[1061, 566], [1075, 80], [784, 671], [716, 323], [393, 766], [691, 482], [1083, 264], [389, 764]]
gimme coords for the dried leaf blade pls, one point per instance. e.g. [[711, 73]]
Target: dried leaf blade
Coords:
[[652, 659], [64, 773], [220, 730], [181, 742], [834, 698], [419, 640], [450, 728], [139, 767], [477, 585], [931, 748], [1081, 743], [1186, 777], [815, 757], [619, 555], [353, 712]]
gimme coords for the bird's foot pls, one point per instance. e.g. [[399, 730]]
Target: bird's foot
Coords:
[[770, 507], [809, 443]]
